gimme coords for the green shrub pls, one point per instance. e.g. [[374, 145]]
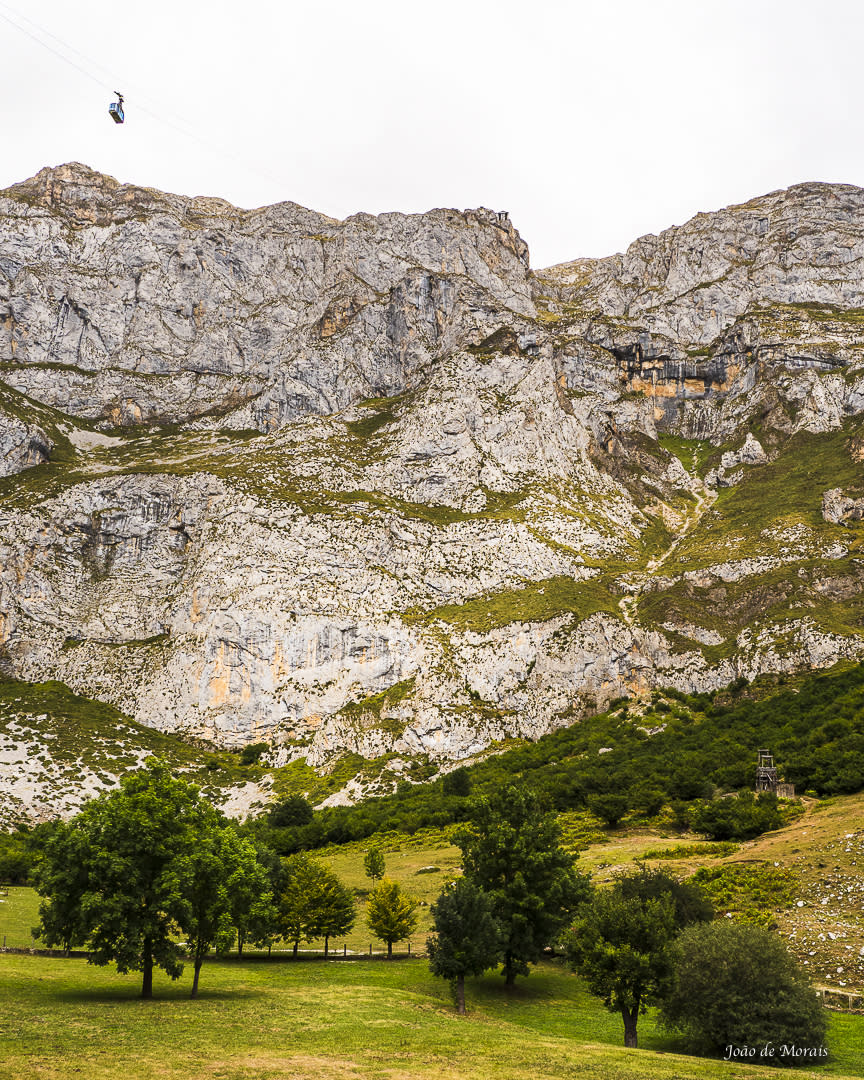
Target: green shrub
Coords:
[[739, 818], [747, 891], [251, 754], [737, 986]]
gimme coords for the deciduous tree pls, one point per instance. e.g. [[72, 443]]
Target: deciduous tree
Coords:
[[60, 875], [390, 913], [333, 908], [467, 936], [374, 864], [621, 947], [621, 942], [295, 903], [130, 898], [212, 879], [293, 810], [511, 851]]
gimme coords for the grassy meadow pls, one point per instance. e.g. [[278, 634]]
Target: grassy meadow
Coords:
[[262, 1018], [259, 1020]]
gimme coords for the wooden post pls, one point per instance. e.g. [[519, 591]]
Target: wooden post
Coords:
[[345, 949]]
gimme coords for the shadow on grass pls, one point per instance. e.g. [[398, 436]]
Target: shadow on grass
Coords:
[[131, 995]]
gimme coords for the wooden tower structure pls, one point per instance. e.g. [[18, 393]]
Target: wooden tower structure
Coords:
[[766, 777], [766, 773]]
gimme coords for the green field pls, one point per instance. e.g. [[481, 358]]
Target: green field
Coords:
[[260, 1019], [355, 1019]]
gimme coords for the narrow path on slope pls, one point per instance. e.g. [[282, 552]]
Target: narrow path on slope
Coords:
[[628, 604]]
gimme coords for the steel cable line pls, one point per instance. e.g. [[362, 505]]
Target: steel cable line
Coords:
[[104, 83]]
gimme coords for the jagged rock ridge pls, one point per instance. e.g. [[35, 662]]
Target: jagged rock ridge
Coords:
[[376, 486]]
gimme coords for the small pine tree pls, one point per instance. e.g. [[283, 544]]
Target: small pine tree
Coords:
[[391, 914], [374, 864], [467, 937]]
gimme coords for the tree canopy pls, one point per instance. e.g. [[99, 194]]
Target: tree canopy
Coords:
[[738, 985], [621, 941], [220, 875], [391, 914], [374, 864], [467, 936], [118, 874], [332, 905], [511, 851]]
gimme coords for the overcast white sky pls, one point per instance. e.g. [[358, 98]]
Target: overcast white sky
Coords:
[[591, 122]]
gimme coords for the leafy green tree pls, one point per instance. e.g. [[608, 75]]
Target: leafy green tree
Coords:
[[130, 897], [610, 807], [680, 813], [333, 910], [457, 782], [292, 811], [467, 936], [220, 869], [296, 912], [16, 856], [60, 876], [737, 985], [511, 851], [391, 914], [251, 754], [620, 945], [374, 864], [257, 922]]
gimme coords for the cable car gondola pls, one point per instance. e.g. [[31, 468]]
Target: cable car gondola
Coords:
[[115, 109]]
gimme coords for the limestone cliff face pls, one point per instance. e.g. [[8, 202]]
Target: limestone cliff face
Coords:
[[375, 486], [126, 305]]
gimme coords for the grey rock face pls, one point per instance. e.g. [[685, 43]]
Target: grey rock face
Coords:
[[837, 507], [706, 318], [373, 486], [125, 305], [21, 445]]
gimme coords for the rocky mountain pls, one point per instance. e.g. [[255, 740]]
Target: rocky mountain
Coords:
[[375, 487]]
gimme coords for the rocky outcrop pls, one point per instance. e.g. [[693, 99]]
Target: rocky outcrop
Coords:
[[373, 486], [21, 445], [127, 306], [838, 508], [707, 317]]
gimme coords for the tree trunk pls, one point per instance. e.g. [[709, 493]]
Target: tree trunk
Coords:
[[240, 940], [296, 943], [389, 950], [326, 945], [630, 1018], [460, 995], [198, 961], [147, 982], [509, 972]]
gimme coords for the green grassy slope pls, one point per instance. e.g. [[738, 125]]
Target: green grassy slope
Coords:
[[259, 1021]]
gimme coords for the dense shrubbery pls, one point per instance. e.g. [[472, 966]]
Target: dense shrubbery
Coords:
[[750, 892], [737, 986], [16, 857], [707, 743], [739, 818]]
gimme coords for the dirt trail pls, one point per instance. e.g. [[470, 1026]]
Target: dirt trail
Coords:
[[639, 579]]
